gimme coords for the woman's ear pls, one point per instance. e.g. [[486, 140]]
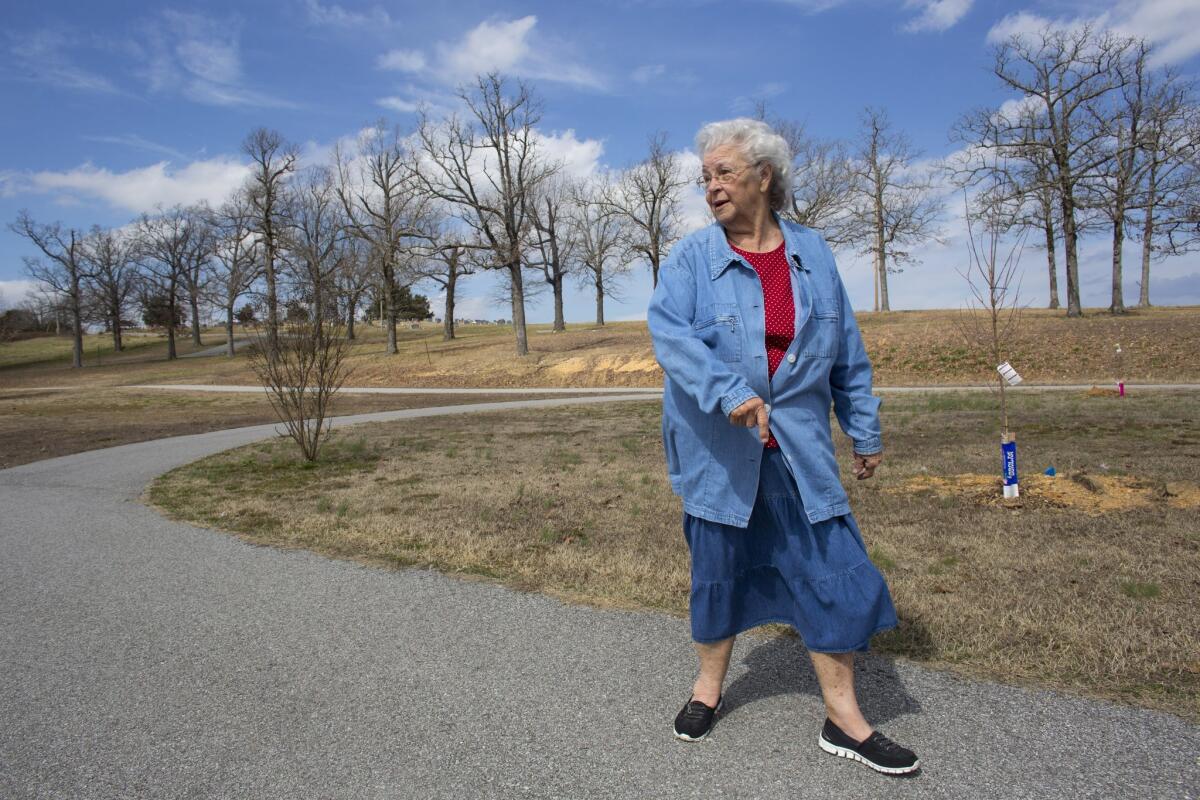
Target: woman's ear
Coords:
[[766, 173]]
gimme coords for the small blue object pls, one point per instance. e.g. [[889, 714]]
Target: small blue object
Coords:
[[1050, 471]]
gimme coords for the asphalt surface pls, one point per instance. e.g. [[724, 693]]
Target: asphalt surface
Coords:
[[146, 658]]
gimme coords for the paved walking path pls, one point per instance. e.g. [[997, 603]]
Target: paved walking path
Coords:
[[143, 658]]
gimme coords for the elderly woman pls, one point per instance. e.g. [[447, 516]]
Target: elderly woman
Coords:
[[755, 333]]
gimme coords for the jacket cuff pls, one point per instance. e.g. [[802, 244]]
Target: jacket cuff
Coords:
[[735, 398], [868, 447]]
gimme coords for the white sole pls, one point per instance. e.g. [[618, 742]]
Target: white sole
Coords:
[[845, 752]]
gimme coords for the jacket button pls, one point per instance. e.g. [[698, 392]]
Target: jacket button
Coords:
[[791, 358]]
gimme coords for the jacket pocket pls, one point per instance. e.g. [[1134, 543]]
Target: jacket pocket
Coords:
[[821, 336], [719, 326]]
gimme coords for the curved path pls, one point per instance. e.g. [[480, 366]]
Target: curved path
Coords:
[[146, 658]]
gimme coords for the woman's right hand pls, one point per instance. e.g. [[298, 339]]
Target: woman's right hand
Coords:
[[750, 413]]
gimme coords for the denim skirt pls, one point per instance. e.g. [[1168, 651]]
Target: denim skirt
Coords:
[[782, 568]]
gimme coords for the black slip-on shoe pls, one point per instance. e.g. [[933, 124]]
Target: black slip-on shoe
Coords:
[[876, 751], [695, 720]]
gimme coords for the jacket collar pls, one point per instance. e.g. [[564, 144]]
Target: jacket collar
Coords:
[[721, 255]]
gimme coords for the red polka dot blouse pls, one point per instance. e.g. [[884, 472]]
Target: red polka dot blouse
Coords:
[[778, 308]]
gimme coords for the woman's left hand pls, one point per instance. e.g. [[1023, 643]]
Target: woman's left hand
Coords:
[[864, 466]]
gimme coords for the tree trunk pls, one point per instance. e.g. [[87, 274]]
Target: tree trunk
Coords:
[[880, 254], [389, 308], [118, 345], [272, 297], [195, 304], [448, 316], [1118, 240], [350, 318], [599, 300], [518, 308], [560, 324], [171, 355], [1148, 236], [77, 322], [1050, 259], [230, 350], [1070, 248]]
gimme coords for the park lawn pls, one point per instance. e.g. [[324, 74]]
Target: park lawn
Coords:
[[907, 348], [37, 423], [574, 502]]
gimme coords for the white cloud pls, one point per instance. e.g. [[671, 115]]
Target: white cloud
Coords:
[[510, 46], [580, 158], [14, 292], [398, 104], [488, 46], [936, 15], [402, 60], [1173, 26], [337, 16], [141, 189]]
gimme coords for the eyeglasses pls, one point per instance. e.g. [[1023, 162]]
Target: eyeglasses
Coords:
[[723, 176]]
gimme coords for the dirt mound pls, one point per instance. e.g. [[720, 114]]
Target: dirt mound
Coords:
[[1078, 491]]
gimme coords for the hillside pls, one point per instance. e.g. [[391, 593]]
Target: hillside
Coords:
[[906, 347]]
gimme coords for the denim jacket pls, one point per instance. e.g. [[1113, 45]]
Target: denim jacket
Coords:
[[709, 332]]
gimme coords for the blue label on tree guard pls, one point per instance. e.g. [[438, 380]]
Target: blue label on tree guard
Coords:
[[1009, 452]]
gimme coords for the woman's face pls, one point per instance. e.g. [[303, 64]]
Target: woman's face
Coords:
[[745, 196]]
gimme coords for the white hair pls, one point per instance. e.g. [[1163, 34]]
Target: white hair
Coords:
[[759, 144]]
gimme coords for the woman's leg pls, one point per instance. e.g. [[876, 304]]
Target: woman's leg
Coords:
[[835, 673], [714, 663]]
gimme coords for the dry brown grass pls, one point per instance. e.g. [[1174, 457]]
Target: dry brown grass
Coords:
[[37, 424], [907, 348], [574, 502]]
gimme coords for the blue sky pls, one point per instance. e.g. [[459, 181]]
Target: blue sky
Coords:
[[112, 108]]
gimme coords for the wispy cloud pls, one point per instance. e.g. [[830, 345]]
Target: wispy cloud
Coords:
[[42, 56], [334, 15], [200, 58], [936, 15], [136, 142], [402, 60], [1172, 26]]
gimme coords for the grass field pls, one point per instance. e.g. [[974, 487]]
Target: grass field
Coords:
[[37, 424], [1090, 584], [906, 347]]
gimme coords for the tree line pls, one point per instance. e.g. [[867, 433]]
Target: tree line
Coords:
[[1099, 139]]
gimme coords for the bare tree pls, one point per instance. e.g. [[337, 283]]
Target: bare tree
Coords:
[[302, 373], [236, 254], [992, 317], [451, 258], [385, 207], [1062, 73], [1170, 178], [600, 236], [552, 240], [274, 159], [169, 245], [352, 278], [488, 167], [647, 194], [64, 272], [197, 272], [312, 233], [895, 207], [113, 269]]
